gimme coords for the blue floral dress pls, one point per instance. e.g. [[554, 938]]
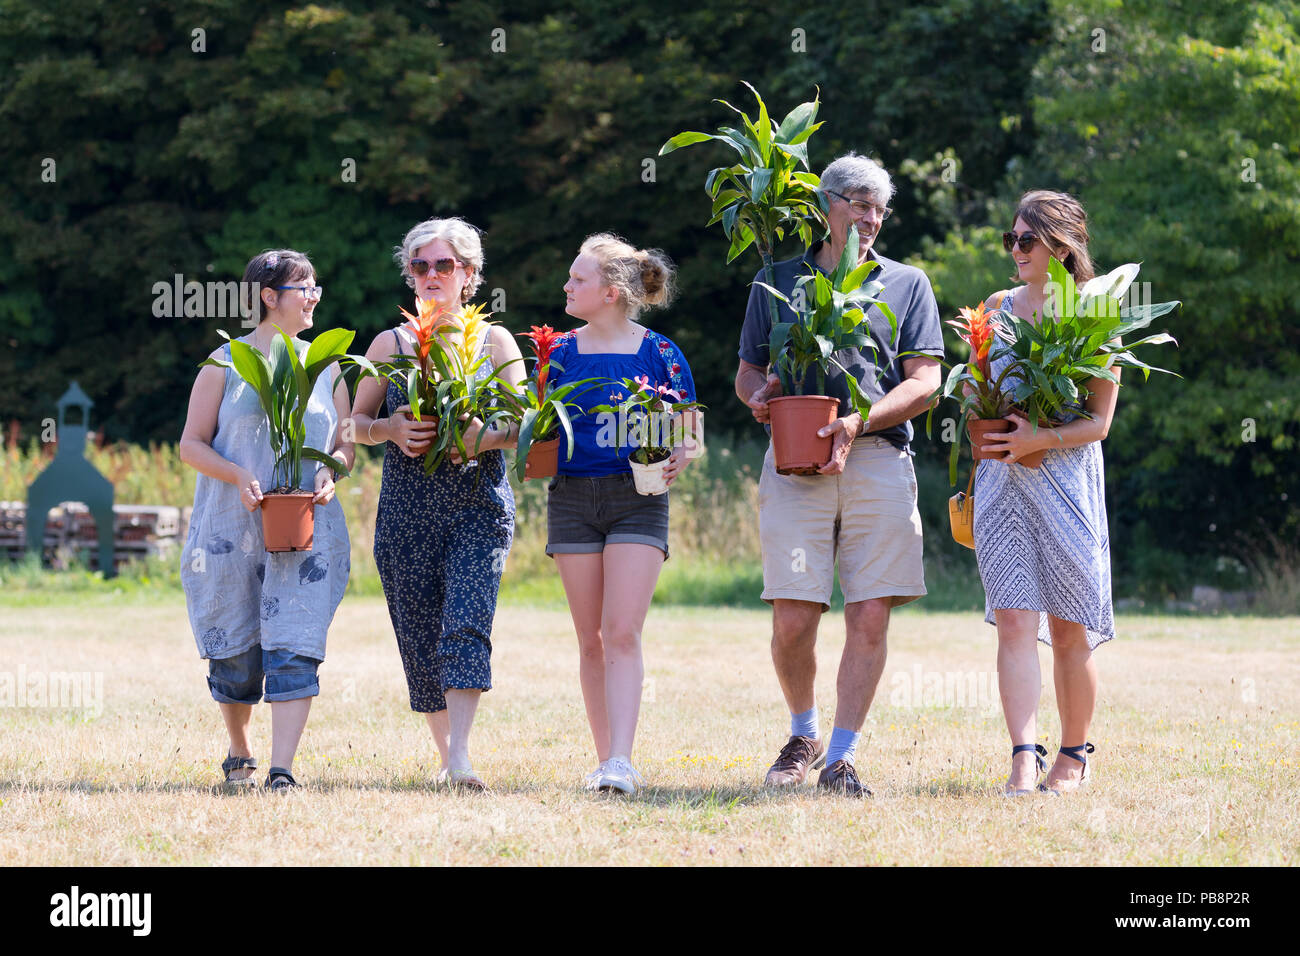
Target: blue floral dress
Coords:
[[1041, 536], [239, 595], [441, 542]]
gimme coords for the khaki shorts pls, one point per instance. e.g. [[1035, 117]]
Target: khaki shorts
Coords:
[[866, 518]]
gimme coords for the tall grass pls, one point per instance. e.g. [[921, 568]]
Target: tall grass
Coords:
[[716, 557], [715, 547]]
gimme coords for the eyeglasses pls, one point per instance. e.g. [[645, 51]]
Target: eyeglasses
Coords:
[[443, 267], [862, 207], [1024, 242], [310, 291]]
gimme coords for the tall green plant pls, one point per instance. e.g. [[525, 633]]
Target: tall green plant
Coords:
[[833, 317], [284, 383], [766, 195]]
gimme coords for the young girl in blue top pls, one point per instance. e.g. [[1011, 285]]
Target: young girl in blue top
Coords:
[[608, 541]]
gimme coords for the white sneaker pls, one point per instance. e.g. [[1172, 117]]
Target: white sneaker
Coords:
[[619, 775], [590, 781]]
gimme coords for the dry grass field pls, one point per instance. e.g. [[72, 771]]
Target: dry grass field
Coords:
[[1197, 732]]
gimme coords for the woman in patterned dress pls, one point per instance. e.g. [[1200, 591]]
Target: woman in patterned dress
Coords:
[[1041, 536], [441, 540], [608, 541], [259, 616]]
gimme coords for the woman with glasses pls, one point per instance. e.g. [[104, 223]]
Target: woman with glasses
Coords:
[[1040, 533], [260, 618], [441, 539]]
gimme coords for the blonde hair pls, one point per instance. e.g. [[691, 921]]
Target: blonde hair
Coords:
[[643, 277], [1058, 220], [457, 233]]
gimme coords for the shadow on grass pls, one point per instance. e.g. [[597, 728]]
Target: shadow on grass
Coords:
[[679, 798]]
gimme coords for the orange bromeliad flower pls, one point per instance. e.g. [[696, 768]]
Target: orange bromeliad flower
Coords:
[[543, 338], [431, 318], [977, 331]]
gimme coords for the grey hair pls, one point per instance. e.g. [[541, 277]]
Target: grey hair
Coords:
[[457, 233], [852, 173]]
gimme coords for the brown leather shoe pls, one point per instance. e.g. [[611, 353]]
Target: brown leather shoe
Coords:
[[798, 756], [840, 777]]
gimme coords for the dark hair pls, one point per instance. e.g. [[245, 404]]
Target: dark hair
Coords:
[[271, 268], [1058, 220]]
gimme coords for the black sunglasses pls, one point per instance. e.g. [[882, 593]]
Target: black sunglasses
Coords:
[[443, 267], [1024, 242]]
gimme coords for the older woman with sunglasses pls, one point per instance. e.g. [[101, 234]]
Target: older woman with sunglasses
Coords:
[[1040, 533], [441, 539]]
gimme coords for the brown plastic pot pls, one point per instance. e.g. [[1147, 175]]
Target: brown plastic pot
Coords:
[[796, 419], [977, 428], [288, 521], [543, 459]]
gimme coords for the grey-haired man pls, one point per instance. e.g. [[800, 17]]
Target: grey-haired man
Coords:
[[861, 510]]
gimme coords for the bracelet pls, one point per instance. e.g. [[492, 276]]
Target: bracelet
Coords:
[[370, 426]]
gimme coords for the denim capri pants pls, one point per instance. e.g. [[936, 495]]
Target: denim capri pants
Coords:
[[238, 679]]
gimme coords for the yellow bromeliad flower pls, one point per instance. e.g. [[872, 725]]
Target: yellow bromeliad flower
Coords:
[[474, 327]]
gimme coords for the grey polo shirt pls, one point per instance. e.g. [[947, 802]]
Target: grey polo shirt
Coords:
[[908, 293]]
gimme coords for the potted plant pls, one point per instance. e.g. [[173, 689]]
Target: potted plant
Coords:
[[1076, 339], [771, 192], [983, 403], [541, 410], [284, 382], [1051, 358], [442, 380], [650, 418], [832, 317]]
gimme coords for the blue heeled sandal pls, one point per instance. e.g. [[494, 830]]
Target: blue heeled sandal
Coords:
[[1040, 757], [1076, 753]]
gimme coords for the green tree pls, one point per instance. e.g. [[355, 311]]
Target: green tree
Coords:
[[532, 120], [1178, 126]]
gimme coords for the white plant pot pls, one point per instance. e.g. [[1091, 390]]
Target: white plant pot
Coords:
[[649, 478]]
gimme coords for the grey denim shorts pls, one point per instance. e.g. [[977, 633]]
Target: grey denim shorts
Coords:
[[585, 514]]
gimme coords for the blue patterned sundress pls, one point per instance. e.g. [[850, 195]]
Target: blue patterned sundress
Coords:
[[441, 542], [238, 594], [1041, 537]]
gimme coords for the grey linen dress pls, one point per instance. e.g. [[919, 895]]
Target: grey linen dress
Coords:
[[238, 594], [1041, 537]]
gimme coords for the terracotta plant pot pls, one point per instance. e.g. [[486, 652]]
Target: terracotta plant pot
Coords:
[[543, 459], [1032, 461], [288, 520], [796, 419], [649, 478], [977, 428]]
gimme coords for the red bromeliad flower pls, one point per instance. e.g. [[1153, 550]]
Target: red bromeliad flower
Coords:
[[977, 332], [543, 338], [431, 318]]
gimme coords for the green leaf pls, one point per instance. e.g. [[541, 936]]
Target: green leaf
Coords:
[[684, 139], [326, 349], [251, 365], [729, 219], [797, 121], [324, 459], [741, 239]]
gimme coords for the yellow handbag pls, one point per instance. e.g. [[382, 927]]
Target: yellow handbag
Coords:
[[961, 513]]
